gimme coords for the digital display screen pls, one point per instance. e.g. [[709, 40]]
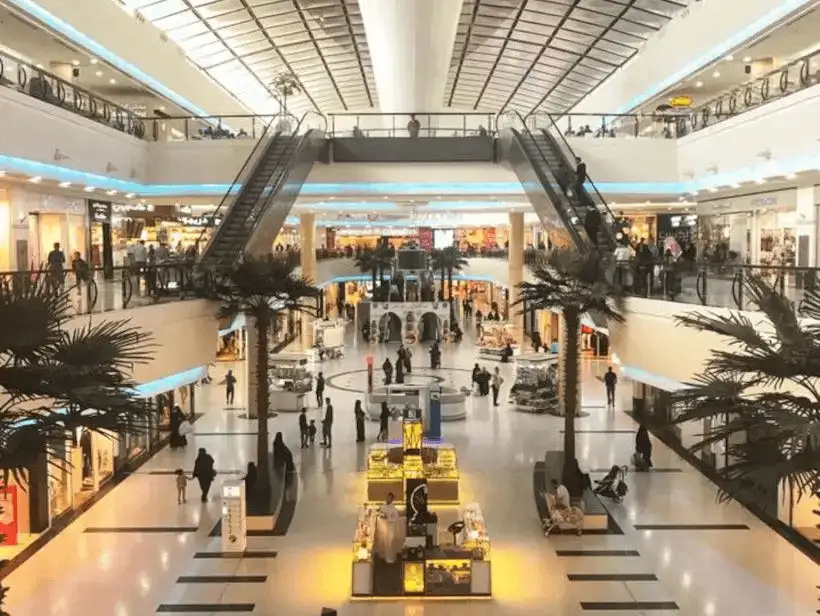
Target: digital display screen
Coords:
[[412, 259], [443, 238]]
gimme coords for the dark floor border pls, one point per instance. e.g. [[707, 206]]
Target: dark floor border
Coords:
[[204, 608], [629, 605], [63, 521], [595, 553], [237, 555], [612, 577], [789, 534], [222, 579], [99, 530], [717, 526]]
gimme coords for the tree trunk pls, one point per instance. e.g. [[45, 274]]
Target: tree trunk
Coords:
[[262, 399], [374, 281], [450, 283], [570, 349], [442, 284]]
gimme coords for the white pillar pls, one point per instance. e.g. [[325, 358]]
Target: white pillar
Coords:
[[251, 353], [411, 43], [515, 259], [307, 227]]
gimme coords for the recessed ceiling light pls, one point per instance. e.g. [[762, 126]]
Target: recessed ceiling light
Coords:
[[75, 62], [130, 195], [747, 59], [729, 58], [98, 73], [111, 193], [699, 84], [64, 184], [89, 188], [162, 107], [40, 66], [760, 181], [36, 179], [791, 176], [93, 60], [716, 74], [712, 189], [112, 81], [2, 173]]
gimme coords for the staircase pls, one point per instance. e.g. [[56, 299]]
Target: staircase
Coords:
[[266, 186]]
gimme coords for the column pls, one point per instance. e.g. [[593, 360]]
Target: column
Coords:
[[7, 258], [307, 229], [516, 272]]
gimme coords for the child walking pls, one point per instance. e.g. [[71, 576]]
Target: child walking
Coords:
[[312, 432], [182, 484]]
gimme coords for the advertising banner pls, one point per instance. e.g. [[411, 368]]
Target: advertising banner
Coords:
[[8, 517], [426, 238]]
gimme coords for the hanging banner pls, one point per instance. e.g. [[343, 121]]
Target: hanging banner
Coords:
[[490, 238], [8, 517], [426, 238]]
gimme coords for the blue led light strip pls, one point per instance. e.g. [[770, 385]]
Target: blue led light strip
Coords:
[[92, 46], [785, 8]]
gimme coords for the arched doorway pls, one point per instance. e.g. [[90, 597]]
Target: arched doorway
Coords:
[[390, 328], [430, 328]]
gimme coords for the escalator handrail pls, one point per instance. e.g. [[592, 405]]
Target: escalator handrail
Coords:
[[517, 115], [282, 177], [255, 153], [569, 155]]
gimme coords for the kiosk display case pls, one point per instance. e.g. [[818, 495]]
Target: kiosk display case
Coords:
[[535, 389], [387, 470]]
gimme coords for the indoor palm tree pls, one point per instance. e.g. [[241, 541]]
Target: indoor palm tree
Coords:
[[261, 288], [376, 261], [759, 398], [55, 380], [573, 283], [446, 261]]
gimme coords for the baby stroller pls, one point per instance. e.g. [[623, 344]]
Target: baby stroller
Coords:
[[613, 485]]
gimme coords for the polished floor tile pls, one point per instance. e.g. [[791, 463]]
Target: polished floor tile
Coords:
[[703, 572]]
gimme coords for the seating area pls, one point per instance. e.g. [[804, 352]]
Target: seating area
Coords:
[[596, 517]]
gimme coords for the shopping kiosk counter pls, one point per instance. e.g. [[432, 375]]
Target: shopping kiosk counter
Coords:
[[444, 569], [385, 473]]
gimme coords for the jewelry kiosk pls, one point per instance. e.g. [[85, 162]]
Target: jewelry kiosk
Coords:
[[431, 550]]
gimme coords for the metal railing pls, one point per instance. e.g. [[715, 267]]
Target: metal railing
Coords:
[[41, 84], [217, 127], [793, 77], [93, 290], [610, 126], [475, 124]]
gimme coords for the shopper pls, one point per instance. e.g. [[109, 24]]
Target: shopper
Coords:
[[230, 385], [399, 371], [384, 418], [580, 177], [312, 432], [643, 449], [474, 380], [82, 273], [408, 354], [610, 380], [320, 389], [435, 356], [497, 382], [204, 472], [592, 225], [327, 425], [250, 478], [303, 428], [182, 484], [56, 265], [388, 371], [282, 457], [359, 414]]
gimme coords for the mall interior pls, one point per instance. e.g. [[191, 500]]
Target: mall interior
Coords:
[[416, 162]]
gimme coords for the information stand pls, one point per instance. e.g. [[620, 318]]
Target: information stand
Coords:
[[234, 520]]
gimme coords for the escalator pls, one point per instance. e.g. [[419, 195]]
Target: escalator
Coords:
[[547, 173], [266, 187]]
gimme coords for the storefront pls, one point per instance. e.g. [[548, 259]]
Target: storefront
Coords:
[[762, 229]]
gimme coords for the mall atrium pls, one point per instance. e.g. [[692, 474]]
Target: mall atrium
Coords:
[[409, 307]]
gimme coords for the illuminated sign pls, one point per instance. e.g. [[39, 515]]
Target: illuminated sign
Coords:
[[681, 101]]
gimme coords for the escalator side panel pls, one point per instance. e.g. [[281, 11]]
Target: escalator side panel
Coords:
[[281, 200], [538, 186]]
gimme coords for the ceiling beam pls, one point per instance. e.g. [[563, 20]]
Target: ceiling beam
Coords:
[[346, 13], [476, 4]]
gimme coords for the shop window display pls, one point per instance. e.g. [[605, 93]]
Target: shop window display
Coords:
[[536, 383], [778, 247]]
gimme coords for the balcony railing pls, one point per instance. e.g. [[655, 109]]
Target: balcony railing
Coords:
[[774, 85], [403, 124], [609, 126], [41, 84]]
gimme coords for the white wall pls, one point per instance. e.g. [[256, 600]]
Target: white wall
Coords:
[[706, 31], [185, 334], [34, 130], [735, 147], [110, 33], [628, 160]]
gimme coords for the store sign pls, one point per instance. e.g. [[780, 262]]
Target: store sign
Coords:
[[680, 101], [234, 527], [426, 238], [200, 221], [764, 201], [490, 238], [8, 517], [99, 211], [122, 208]]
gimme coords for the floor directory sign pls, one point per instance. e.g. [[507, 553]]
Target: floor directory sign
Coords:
[[234, 527]]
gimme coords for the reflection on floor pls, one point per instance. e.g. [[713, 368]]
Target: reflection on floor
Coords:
[[659, 565]]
